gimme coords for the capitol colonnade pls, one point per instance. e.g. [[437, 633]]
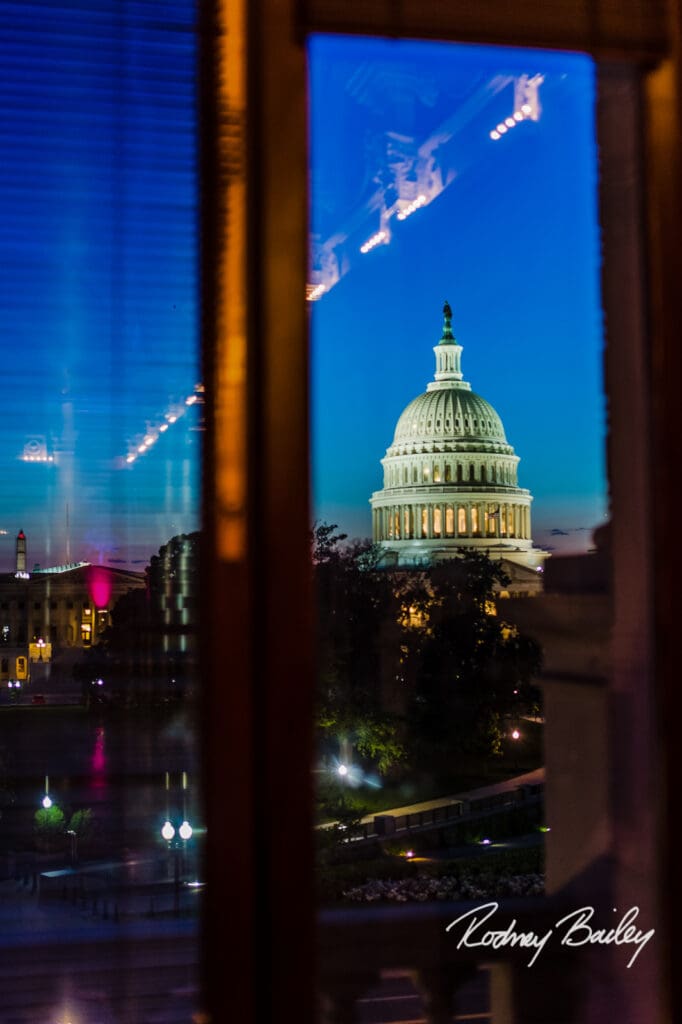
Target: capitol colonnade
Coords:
[[406, 520]]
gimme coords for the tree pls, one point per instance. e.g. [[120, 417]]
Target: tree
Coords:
[[49, 828], [414, 665], [379, 738], [128, 640], [325, 543], [81, 829], [82, 824], [358, 646], [470, 669]]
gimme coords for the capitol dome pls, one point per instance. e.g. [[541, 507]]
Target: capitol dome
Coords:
[[450, 476], [449, 413]]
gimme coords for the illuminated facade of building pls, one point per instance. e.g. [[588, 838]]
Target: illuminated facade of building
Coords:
[[49, 612], [450, 479]]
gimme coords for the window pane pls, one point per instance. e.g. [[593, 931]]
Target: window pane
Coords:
[[456, 322], [100, 442]]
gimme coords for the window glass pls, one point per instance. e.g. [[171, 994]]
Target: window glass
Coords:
[[100, 441], [455, 305]]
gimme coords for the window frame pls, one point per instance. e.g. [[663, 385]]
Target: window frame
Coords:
[[258, 602]]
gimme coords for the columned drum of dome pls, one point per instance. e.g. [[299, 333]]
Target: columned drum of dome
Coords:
[[450, 477]]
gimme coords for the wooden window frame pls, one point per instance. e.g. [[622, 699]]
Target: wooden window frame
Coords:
[[257, 667]]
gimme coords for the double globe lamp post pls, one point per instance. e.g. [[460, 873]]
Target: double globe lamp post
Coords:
[[176, 839]]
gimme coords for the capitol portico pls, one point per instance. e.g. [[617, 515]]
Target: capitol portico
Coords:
[[450, 477]]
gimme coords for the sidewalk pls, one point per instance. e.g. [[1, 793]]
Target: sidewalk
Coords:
[[27, 918], [529, 778]]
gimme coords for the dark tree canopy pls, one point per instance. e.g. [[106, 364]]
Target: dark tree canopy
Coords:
[[414, 663]]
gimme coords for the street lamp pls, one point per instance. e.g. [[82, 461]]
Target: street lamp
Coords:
[[343, 770], [74, 844], [174, 847], [176, 839], [516, 736], [47, 802], [177, 831]]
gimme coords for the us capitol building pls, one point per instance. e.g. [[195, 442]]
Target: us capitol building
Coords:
[[450, 480]]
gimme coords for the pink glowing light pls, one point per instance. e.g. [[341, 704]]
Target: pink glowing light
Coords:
[[99, 761], [99, 586]]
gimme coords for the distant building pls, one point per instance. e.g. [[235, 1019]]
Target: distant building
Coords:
[[21, 551], [451, 482], [174, 594], [150, 653], [49, 612]]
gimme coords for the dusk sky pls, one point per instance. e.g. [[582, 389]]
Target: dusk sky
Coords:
[[98, 302], [98, 310], [512, 242]]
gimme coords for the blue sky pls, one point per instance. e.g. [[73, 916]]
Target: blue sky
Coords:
[[98, 261], [98, 310], [512, 242]]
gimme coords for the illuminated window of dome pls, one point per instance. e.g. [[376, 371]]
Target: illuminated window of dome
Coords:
[[493, 512]]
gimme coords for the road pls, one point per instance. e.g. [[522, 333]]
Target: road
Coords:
[[60, 963]]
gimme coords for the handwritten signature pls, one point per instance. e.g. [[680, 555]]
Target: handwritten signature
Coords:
[[572, 930]]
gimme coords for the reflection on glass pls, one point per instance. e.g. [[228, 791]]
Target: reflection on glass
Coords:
[[99, 442], [453, 216]]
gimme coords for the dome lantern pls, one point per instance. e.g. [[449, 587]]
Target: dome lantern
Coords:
[[448, 354]]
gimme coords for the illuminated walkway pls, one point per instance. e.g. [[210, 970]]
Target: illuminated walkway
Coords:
[[527, 779]]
